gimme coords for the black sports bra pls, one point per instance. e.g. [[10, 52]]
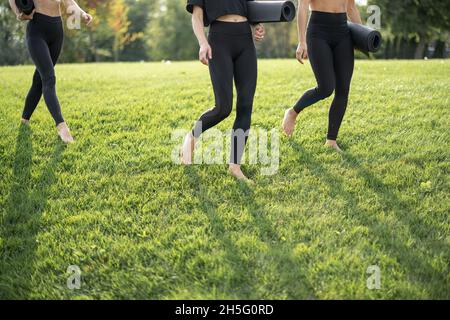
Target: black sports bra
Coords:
[[213, 9]]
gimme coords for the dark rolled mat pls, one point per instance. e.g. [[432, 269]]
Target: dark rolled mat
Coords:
[[270, 11], [365, 39], [25, 6]]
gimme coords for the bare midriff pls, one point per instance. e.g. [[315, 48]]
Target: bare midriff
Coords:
[[232, 18], [331, 6], [48, 7]]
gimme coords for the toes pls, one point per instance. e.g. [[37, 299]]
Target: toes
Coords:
[[288, 133]]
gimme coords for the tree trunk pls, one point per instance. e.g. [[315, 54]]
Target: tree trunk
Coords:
[[439, 50], [420, 49], [387, 47], [116, 51], [396, 47], [93, 56]]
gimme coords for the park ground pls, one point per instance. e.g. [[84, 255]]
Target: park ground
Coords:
[[139, 226]]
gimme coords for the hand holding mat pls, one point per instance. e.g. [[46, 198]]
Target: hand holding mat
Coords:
[[270, 11], [365, 39], [25, 6]]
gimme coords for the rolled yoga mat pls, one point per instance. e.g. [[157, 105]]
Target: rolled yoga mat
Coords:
[[270, 11], [25, 6], [365, 39]]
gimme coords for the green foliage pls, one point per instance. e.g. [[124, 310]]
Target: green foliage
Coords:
[[425, 17], [157, 30], [140, 226], [411, 24], [280, 41], [139, 17], [170, 33], [12, 43]]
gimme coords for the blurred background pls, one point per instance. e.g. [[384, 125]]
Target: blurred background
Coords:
[[154, 30]]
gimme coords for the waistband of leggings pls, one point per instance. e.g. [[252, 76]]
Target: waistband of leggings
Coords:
[[328, 18], [231, 28], [42, 17]]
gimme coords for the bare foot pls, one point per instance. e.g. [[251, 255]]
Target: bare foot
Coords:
[[290, 117], [25, 122], [235, 171], [333, 144], [187, 150], [64, 133]]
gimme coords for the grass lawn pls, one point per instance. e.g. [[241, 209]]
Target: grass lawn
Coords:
[[139, 226]]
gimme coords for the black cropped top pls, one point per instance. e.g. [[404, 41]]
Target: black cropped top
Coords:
[[213, 9]]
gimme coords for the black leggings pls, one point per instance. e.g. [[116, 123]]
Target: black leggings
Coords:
[[330, 50], [234, 56], [44, 40]]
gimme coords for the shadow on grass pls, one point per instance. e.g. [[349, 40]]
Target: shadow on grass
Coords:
[[293, 282], [239, 280], [412, 260], [243, 284], [22, 219]]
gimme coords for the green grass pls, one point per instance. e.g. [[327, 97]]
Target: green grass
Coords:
[[140, 226]]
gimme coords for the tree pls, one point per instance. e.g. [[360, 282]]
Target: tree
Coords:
[[280, 41], [89, 43], [12, 37], [170, 33], [118, 22], [422, 20], [139, 16]]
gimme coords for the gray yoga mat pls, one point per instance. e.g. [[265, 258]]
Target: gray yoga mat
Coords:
[[270, 11], [365, 39]]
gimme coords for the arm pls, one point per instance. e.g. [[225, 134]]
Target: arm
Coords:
[[353, 12], [73, 5], [205, 53], [302, 22], [259, 31], [13, 6]]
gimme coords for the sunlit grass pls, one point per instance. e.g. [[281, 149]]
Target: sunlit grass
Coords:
[[139, 226]]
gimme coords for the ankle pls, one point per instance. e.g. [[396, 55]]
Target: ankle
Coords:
[[293, 113], [234, 166], [235, 171], [61, 125]]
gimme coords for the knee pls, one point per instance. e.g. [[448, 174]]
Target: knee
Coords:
[[223, 110], [325, 91], [49, 83], [245, 100], [342, 93], [341, 98], [244, 104]]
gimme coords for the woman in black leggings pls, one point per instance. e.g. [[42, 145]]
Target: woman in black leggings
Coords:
[[329, 46], [230, 53], [44, 41]]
